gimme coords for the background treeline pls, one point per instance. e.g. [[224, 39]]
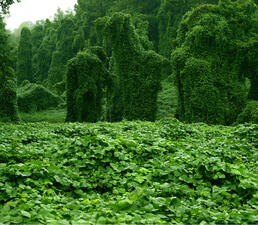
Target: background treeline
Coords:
[[109, 66], [47, 46]]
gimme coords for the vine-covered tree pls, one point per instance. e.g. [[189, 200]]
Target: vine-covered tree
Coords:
[[208, 65], [169, 16], [139, 71], [64, 52], [37, 34], [24, 58], [8, 99], [43, 55], [87, 11], [84, 80], [142, 12]]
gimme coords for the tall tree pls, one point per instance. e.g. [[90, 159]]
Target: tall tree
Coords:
[[37, 34], [43, 54], [64, 51], [24, 59], [8, 99]]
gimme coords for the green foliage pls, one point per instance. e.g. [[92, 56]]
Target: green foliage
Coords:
[[139, 72], [169, 16], [213, 39], [16, 34], [84, 83], [130, 172], [249, 114], [37, 34], [250, 68], [8, 99], [253, 93], [86, 13], [35, 97], [143, 12], [56, 70], [43, 57], [24, 57], [65, 38], [5, 4], [208, 65]]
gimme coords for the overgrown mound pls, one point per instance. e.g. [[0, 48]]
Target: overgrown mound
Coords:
[[129, 172], [35, 97]]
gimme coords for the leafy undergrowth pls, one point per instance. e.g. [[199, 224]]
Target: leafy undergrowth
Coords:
[[128, 172]]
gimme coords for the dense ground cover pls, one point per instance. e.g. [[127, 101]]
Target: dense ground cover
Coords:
[[128, 172]]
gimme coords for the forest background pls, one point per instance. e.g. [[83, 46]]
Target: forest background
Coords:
[[185, 48]]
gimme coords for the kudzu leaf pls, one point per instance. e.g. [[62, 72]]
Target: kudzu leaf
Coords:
[[26, 214]]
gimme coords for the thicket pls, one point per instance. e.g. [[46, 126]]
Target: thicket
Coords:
[[8, 100], [167, 100], [85, 78], [215, 42]]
